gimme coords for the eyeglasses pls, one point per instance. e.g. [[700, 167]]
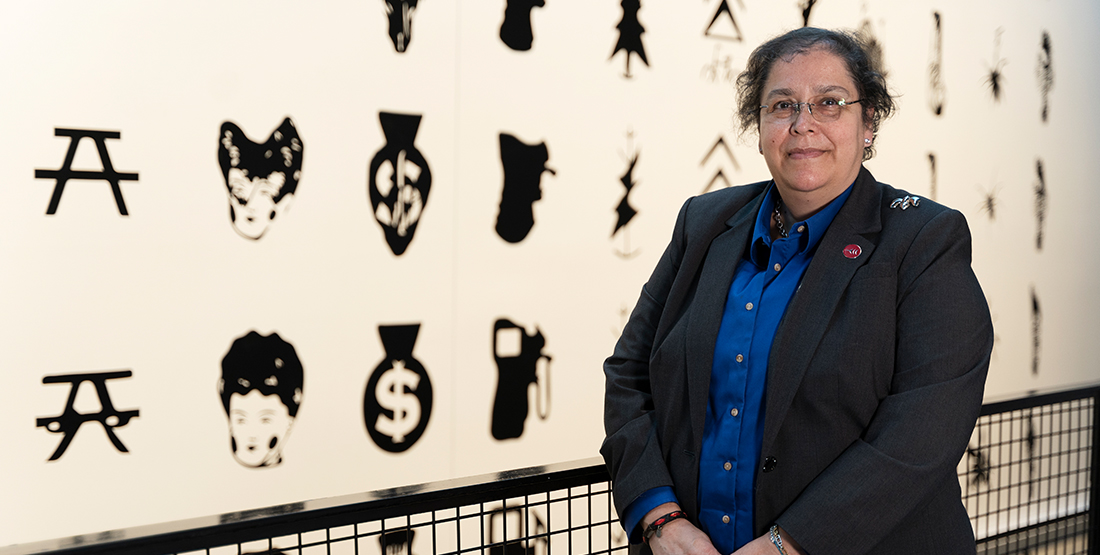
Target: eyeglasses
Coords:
[[823, 109]]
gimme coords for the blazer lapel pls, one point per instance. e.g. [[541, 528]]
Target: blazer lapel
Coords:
[[705, 317], [815, 300]]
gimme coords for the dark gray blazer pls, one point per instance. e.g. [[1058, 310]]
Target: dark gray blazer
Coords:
[[875, 377]]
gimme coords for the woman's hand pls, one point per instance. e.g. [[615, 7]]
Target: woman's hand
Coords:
[[678, 537], [764, 546], [681, 537]]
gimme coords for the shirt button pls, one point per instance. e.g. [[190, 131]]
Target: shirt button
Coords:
[[778, 267], [801, 228], [748, 306], [727, 466], [740, 358], [725, 519], [734, 412]]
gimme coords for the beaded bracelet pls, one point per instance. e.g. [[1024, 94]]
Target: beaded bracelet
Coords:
[[777, 539], [655, 526]]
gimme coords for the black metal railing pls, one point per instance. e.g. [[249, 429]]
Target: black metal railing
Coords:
[[1027, 480], [1028, 475], [563, 508]]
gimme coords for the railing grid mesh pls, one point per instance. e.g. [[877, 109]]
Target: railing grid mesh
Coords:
[[566, 521], [1026, 479]]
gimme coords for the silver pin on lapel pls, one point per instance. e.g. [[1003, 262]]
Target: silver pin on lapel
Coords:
[[905, 202]]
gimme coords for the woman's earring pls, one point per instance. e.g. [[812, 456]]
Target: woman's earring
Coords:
[[760, 148], [867, 142]]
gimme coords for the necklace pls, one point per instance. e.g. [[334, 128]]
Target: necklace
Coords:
[[779, 218]]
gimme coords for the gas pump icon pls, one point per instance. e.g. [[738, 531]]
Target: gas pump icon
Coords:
[[516, 531], [518, 356]]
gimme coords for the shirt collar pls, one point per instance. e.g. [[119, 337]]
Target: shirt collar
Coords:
[[813, 228]]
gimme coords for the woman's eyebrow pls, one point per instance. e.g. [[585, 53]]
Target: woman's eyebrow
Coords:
[[780, 92], [824, 89]]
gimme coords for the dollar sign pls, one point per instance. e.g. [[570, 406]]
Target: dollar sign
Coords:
[[391, 395]]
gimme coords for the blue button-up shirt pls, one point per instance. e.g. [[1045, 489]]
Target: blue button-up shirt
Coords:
[[763, 284]]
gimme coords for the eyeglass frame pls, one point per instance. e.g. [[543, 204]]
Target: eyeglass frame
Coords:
[[809, 106]]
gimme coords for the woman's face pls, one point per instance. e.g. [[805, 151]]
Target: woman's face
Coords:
[[812, 162], [258, 425], [253, 201]]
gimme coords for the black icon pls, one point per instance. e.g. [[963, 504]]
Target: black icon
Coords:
[[398, 399], [261, 390], [807, 6], [937, 92], [397, 542], [515, 374], [66, 172], [719, 177], [1040, 204], [400, 14], [1031, 458], [1036, 328], [523, 167], [932, 169], [1044, 72], [400, 180], [511, 532], [994, 78], [260, 179], [873, 46], [516, 30], [70, 420], [724, 10], [979, 465], [989, 202], [625, 211], [630, 34]]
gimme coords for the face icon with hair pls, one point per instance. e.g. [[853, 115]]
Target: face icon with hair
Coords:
[[260, 179], [261, 390]]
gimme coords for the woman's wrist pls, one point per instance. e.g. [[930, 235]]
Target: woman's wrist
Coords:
[[783, 542], [658, 512]]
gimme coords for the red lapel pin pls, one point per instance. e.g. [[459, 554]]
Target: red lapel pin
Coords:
[[852, 251]]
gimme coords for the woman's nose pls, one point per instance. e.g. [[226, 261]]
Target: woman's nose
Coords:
[[803, 120]]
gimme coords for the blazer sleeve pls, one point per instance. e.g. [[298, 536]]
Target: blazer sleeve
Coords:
[[910, 449], [631, 447]]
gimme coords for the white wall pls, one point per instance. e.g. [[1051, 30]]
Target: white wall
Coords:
[[164, 291]]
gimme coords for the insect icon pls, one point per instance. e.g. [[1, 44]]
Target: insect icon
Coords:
[[937, 93], [1044, 71], [1040, 204], [989, 201], [979, 466], [994, 77]]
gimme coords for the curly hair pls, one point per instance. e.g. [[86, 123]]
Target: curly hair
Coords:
[[265, 363], [878, 104]]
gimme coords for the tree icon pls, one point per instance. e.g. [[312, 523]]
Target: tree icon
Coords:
[[630, 34]]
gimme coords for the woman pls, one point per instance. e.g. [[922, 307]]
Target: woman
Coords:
[[261, 391], [804, 368]]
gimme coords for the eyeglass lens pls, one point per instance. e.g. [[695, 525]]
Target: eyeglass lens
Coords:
[[821, 110]]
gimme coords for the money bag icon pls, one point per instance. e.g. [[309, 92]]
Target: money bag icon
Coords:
[[398, 400], [515, 374], [523, 167], [399, 180]]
